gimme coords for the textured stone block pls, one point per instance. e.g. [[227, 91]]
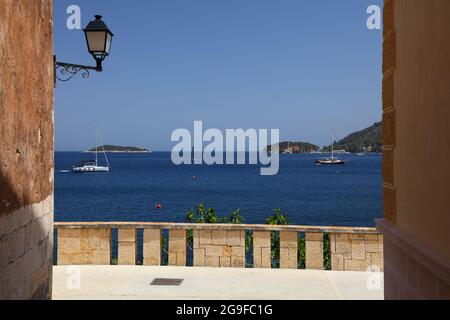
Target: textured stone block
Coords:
[[377, 260], [127, 254], [372, 246], [356, 236], [288, 239], [212, 261], [217, 248], [337, 262], [225, 262], [266, 258], [288, 258], [25, 216], [261, 239], [236, 238], [152, 247], [261, 246], [205, 236], [127, 235], [199, 257], [226, 251], [357, 265], [238, 251], [358, 250], [288, 250], [177, 248], [343, 244], [314, 251], [238, 262], [84, 246], [372, 237], [219, 237], [213, 251], [314, 237], [12, 247]]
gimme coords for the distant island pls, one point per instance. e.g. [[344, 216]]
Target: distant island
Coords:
[[368, 140], [119, 149]]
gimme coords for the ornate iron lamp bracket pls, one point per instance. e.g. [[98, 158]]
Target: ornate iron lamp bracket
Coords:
[[66, 71]]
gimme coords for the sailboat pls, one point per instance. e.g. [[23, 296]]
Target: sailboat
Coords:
[[331, 160], [92, 166]]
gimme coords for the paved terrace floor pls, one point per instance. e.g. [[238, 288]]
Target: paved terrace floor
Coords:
[[131, 282]]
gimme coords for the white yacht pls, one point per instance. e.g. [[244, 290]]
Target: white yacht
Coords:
[[331, 160], [92, 166], [89, 166]]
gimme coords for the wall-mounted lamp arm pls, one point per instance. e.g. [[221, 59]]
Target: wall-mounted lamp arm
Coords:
[[66, 71]]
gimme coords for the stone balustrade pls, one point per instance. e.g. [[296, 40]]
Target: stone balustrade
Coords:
[[219, 245]]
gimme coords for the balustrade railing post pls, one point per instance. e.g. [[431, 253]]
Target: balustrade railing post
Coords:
[[152, 247], [261, 249], [314, 251], [177, 248], [288, 250], [127, 246]]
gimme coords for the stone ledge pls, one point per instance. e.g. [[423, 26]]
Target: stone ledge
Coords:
[[215, 227]]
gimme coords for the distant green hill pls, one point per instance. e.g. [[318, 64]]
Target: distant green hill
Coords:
[[367, 140], [112, 148], [296, 147]]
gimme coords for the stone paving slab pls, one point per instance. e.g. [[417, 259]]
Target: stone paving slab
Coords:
[[133, 282]]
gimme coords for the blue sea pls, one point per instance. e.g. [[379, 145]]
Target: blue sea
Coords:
[[349, 195]]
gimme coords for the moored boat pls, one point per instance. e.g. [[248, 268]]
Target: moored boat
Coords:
[[92, 166], [89, 166], [331, 160]]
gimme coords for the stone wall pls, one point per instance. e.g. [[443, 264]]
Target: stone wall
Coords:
[[26, 149], [219, 248], [26, 247], [356, 252], [219, 245], [84, 246]]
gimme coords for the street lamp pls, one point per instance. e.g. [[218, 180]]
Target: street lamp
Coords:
[[98, 39]]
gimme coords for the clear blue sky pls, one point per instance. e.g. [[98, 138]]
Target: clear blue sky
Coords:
[[304, 67]]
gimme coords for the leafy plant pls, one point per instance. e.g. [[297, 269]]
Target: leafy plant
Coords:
[[279, 219], [301, 255], [326, 252], [209, 215]]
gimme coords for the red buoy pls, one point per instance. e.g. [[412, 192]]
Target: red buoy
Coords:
[[158, 206]]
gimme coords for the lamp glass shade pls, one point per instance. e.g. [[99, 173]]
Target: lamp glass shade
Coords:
[[96, 41], [98, 38], [108, 42]]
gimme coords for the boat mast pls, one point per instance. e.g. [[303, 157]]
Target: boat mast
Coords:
[[95, 145], [332, 143], [103, 149]]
